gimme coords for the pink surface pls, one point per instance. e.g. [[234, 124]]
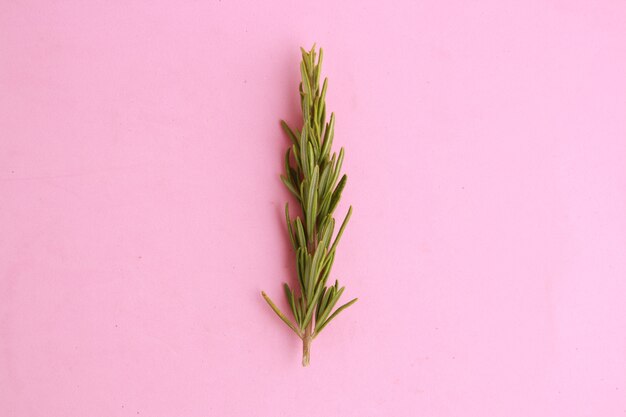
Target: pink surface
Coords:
[[141, 210]]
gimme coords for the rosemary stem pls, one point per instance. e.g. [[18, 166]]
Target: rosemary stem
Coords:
[[306, 346]]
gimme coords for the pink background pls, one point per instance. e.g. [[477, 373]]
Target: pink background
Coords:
[[141, 210]]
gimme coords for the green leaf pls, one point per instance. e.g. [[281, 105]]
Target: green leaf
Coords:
[[318, 69], [288, 168], [304, 150], [327, 232], [314, 211], [316, 109], [311, 156], [321, 305], [290, 186], [341, 229], [289, 132], [301, 310], [334, 200], [323, 179], [323, 207], [311, 307], [296, 156], [308, 288], [325, 272], [291, 301], [337, 169], [328, 136], [298, 311], [300, 232], [300, 267], [292, 238], [335, 295], [289, 171], [339, 310], [328, 261], [311, 202], [280, 314], [306, 85], [313, 271]]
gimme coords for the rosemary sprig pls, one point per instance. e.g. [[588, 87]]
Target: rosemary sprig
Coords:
[[314, 181]]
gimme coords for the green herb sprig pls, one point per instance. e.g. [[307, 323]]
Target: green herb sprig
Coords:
[[314, 181]]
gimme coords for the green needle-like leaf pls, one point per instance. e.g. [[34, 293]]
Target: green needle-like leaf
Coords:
[[290, 186], [292, 303], [339, 310], [301, 234], [311, 205], [334, 200], [343, 226], [280, 314], [328, 136], [289, 132], [311, 307], [292, 238], [335, 295]]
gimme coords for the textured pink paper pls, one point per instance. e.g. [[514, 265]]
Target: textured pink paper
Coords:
[[141, 210]]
